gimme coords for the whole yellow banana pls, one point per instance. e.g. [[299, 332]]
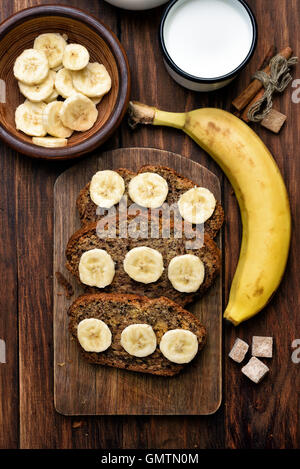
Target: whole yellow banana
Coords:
[[261, 194]]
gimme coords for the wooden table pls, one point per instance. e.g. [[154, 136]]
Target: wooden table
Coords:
[[263, 416]]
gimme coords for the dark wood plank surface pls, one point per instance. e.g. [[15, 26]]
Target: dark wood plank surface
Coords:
[[251, 416], [82, 389]]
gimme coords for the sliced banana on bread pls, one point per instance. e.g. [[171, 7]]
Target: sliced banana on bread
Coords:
[[137, 272], [136, 333], [167, 186]]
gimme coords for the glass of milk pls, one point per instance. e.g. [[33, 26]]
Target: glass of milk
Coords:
[[205, 43]]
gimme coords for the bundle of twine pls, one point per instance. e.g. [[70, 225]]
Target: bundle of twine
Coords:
[[277, 80]]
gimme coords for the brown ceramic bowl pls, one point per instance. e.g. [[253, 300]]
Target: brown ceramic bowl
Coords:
[[18, 33]]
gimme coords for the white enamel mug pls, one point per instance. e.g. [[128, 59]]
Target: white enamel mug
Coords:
[[205, 43]]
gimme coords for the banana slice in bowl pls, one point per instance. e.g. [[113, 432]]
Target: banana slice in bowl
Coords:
[[186, 273], [139, 340], [96, 100], [52, 121], [148, 190], [75, 57], [106, 188], [31, 67], [144, 264], [94, 335], [53, 45], [78, 113], [50, 142], [96, 268], [197, 205], [94, 80], [38, 93], [179, 345], [64, 83], [29, 118], [53, 97]]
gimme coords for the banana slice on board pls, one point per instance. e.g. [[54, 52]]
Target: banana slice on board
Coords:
[[106, 188], [78, 113], [53, 44], [64, 83], [31, 67], [148, 190], [94, 335], [38, 93], [52, 121], [50, 142], [179, 345], [144, 264], [197, 205], [29, 118], [96, 268], [139, 340], [186, 273], [93, 80], [75, 57]]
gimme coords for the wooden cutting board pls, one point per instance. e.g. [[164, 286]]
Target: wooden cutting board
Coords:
[[85, 389]]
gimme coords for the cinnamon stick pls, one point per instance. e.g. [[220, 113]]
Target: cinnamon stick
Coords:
[[256, 85], [259, 95]]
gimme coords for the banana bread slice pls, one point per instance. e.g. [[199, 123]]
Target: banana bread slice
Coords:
[[177, 183], [169, 245], [118, 312]]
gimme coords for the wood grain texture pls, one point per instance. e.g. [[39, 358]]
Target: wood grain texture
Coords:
[[9, 402], [251, 416], [84, 389]]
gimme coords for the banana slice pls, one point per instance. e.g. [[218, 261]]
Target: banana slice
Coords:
[[139, 340], [38, 93], [57, 69], [94, 335], [53, 45], [29, 118], [197, 205], [179, 345], [186, 273], [52, 121], [75, 57], [31, 67], [53, 96], [97, 100], [78, 112], [106, 188], [148, 190], [50, 142], [96, 268], [64, 83], [144, 264], [93, 80]]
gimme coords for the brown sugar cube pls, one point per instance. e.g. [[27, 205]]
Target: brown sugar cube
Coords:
[[239, 350], [255, 370], [273, 121], [262, 346]]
